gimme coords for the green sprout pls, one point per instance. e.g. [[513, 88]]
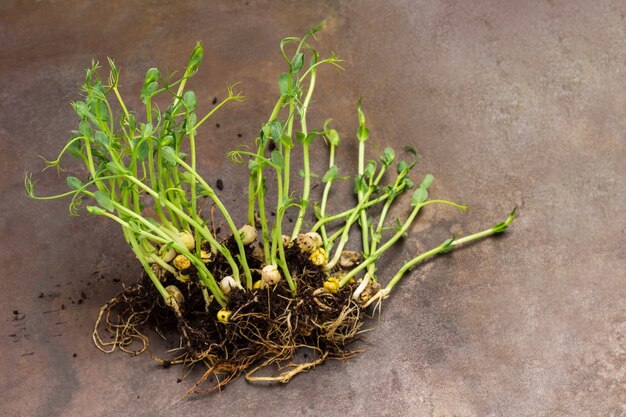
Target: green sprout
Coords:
[[142, 173]]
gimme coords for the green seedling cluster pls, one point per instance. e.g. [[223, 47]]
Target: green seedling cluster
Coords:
[[142, 174]]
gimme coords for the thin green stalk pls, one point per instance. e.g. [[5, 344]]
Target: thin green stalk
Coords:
[[347, 213], [211, 194], [204, 232], [306, 188], [261, 149], [331, 162], [265, 235], [445, 247], [372, 257]]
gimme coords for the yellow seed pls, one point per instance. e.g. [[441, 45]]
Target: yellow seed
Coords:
[[318, 257], [223, 315], [183, 278], [205, 256], [331, 285], [182, 262], [258, 284]]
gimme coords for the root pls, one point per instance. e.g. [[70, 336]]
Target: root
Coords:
[[285, 377], [266, 330], [123, 330]]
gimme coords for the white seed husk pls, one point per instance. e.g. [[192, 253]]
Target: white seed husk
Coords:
[[228, 283], [316, 238], [187, 239], [349, 259], [305, 243], [176, 297], [270, 274], [248, 234], [168, 255]]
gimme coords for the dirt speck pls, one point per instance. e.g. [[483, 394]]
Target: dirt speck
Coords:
[[219, 184]]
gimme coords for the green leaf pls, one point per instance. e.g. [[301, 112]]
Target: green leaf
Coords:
[[446, 246], [75, 150], [388, 156], [333, 137], [190, 122], [331, 175], [147, 91], [369, 170], [102, 139], [286, 141], [152, 75], [403, 166], [116, 169], [169, 154], [146, 130], [297, 62], [142, 150], [306, 140], [82, 109], [362, 134], [428, 179], [421, 194], [94, 210], [276, 130], [104, 200], [84, 127], [195, 59], [501, 227], [189, 98], [277, 159], [187, 176], [74, 183], [167, 140], [284, 84]]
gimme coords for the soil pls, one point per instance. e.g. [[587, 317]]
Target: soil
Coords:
[[266, 329]]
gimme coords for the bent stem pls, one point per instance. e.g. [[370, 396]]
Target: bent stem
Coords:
[[444, 247]]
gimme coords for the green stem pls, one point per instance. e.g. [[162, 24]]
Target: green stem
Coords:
[[331, 162], [446, 246], [211, 194], [306, 189], [347, 213], [374, 256], [261, 149]]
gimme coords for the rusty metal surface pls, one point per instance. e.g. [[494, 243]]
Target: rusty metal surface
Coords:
[[508, 103]]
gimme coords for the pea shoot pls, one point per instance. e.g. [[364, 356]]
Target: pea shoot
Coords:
[[250, 299]]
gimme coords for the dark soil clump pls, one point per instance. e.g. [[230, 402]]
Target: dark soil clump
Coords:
[[266, 328]]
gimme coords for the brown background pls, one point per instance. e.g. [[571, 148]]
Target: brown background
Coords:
[[508, 102]]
